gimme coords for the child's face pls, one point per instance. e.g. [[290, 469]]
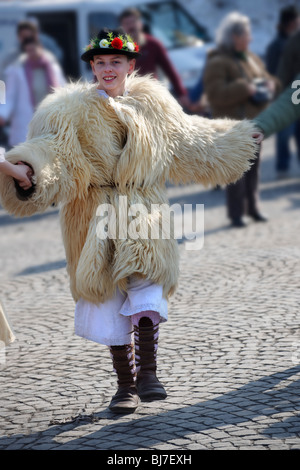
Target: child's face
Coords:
[[111, 72]]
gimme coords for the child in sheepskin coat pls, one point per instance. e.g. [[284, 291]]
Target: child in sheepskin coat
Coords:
[[113, 145]]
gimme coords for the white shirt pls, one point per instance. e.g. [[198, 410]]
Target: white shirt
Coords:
[[103, 93]]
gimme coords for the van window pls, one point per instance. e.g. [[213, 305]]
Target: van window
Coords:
[[97, 21], [172, 25]]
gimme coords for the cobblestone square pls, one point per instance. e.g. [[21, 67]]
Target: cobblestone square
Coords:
[[229, 355]]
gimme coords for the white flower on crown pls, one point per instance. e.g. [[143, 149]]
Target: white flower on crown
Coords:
[[130, 46], [104, 43]]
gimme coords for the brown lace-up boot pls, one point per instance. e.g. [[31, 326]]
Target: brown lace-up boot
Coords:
[[126, 399], [146, 340]]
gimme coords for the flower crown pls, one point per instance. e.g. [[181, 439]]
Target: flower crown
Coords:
[[121, 42]]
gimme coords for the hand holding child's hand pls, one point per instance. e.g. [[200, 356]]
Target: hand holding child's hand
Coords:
[[259, 137], [23, 174]]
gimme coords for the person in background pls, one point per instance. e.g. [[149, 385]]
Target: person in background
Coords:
[[288, 25], [153, 54], [28, 80], [289, 21], [289, 64], [281, 113], [49, 44], [26, 29], [230, 80], [288, 68]]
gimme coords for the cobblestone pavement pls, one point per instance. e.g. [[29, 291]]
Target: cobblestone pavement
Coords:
[[229, 355]]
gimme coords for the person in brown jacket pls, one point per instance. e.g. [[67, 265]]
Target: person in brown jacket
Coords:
[[238, 86]]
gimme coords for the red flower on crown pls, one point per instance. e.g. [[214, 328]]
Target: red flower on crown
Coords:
[[136, 47], [117, 43]]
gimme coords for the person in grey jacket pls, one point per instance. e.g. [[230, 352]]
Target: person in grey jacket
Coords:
[[288, 25], [282, 112], [288, 68]]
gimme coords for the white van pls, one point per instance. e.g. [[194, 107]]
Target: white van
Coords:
[[71, 23]]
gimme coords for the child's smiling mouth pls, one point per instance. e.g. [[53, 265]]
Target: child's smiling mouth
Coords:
[[109, 78]]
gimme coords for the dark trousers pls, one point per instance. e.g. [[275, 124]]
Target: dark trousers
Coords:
[[242, 196], [283, 152]]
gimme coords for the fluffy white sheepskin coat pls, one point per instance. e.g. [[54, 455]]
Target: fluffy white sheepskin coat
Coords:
[[87, 150]]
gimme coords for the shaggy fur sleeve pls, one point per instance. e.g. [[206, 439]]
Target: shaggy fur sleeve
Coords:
[[53, 151], [212, 152], [163, 142], [45, 187]]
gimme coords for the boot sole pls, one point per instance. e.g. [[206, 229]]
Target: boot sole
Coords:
[[152, 396], [120, 410], [124, 408]]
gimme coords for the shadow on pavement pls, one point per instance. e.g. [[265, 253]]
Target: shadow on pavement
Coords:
[[40, 268], [11, 220], [214, 198], [253, 401]]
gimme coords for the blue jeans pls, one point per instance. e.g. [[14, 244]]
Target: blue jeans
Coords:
[[283, 153]]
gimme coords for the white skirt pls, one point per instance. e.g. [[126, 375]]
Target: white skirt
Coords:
[[110, 323]]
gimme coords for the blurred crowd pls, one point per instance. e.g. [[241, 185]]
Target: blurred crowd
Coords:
[[234, 83]]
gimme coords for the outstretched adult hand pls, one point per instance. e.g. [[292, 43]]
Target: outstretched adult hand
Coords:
[[259, 137]]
